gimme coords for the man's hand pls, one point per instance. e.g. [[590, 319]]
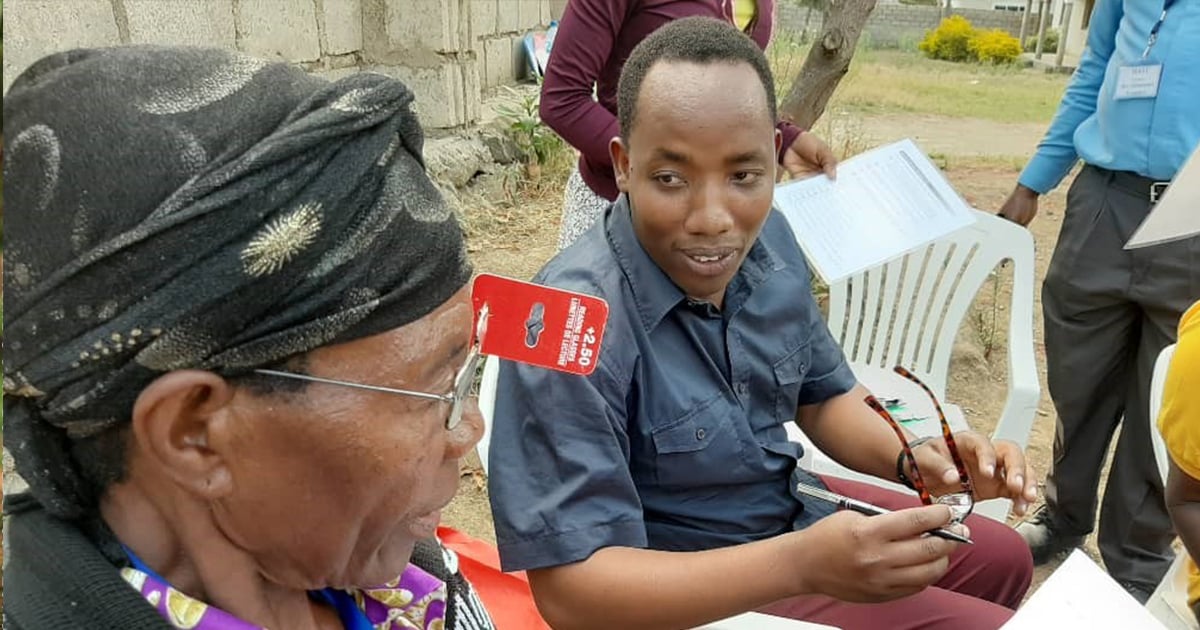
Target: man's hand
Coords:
[[858, 558], [808, 156], [1021, 205], [997, 469]]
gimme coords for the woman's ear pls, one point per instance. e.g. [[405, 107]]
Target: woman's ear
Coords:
[[173, 420]]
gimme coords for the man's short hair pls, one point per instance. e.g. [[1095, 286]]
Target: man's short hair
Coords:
[[700, 40]]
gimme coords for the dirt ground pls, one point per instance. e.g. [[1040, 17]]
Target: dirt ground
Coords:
[[981, 159]]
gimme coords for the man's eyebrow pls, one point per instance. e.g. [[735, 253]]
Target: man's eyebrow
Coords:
[[670, 156], [745, 158]]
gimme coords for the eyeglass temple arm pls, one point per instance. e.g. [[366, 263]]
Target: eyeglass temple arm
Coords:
[[372, 388], [917, 481], [947, 434]]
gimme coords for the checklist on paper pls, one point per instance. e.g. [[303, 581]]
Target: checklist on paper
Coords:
[[885, 203]]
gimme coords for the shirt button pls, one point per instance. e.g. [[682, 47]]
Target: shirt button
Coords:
[[741, 389], [700, 433]]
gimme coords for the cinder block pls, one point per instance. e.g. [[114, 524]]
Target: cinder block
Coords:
[[337, 73], [343, 26], [196, 23], [472, 91], [529, 14], [438, 92], [498, 62], [34, 29], [483, 18], [508, 16], [286, 30], [424, 24]]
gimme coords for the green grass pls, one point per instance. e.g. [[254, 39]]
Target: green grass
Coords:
[[896, 81]]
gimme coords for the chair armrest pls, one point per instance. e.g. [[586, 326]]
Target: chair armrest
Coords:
[[1024, 390]]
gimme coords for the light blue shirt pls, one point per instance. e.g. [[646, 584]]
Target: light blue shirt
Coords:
[[1149, 136]]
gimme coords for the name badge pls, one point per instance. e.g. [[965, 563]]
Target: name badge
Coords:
[[1139, 81], [541, 326]]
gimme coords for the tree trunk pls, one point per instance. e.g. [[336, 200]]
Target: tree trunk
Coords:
[[827, 62], [946, 9]]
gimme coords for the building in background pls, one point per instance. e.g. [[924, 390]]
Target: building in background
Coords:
[[448, 51]]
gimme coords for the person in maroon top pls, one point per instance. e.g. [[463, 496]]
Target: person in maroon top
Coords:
[[593, 41]]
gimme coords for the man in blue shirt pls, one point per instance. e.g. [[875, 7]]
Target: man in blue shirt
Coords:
[[657, 492], [1130, 114]]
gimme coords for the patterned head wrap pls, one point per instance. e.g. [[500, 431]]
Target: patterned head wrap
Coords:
[[175, 208]]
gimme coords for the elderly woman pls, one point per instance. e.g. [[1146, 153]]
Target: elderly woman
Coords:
[[194, 236]]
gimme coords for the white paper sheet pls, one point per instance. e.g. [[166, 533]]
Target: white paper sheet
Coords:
[[886, 202], [1080, 594], [1177, 215], [758, 621]]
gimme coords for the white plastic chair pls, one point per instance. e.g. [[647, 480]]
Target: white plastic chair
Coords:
[[487, 406], [908, 312], [1169, 602]]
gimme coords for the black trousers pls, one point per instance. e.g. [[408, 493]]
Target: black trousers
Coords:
[[1108, 313]]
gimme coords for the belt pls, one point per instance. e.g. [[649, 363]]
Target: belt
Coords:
[[1139, 185]]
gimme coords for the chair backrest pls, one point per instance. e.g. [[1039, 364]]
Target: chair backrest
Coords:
[[487, 406], [908, 311], [1157, 384]]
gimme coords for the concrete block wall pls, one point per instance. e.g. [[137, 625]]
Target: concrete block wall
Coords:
[[499, 28], [449, 51], [899, 24]]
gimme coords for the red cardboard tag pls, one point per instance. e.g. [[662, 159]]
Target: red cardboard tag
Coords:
[[538, 325]]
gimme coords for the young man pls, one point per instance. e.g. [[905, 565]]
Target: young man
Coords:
[[1129, 114], [656, 493], [1180, 426]]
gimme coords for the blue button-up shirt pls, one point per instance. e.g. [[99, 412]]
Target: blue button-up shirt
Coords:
[[677, 440], [1149, 136]]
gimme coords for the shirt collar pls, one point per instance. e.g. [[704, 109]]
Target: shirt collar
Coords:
[[654, 294]]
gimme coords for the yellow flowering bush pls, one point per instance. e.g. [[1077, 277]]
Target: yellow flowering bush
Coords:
[[950, 41], [995, 46], [955, 39]]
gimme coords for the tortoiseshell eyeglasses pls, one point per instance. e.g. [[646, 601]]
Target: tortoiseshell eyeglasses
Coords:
[[961, 503]]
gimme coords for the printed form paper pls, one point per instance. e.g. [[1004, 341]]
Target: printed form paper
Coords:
[[1080, 594], [885, 203]]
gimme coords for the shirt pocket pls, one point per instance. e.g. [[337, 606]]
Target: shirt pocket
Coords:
[[700, 448], [789, 379]]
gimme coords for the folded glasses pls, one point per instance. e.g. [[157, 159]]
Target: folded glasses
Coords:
[[961, 503]]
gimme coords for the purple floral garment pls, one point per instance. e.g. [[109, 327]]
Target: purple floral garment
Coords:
[[415, 600]]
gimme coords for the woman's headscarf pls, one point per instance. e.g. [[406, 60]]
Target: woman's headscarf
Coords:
[[177, 208]]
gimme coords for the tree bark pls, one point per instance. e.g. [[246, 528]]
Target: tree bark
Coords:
[[827, 62]]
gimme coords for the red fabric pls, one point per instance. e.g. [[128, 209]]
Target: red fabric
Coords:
[[593, 41], [505, 595], [984, 585]]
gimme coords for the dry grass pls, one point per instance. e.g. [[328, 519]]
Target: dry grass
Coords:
[[892, 81], [895, 81], [516, 235]]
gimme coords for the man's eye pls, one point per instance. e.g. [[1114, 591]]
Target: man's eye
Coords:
[[746, 177], [668, 179]]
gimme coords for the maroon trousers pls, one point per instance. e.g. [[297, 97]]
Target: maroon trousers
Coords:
[[984, 585]]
